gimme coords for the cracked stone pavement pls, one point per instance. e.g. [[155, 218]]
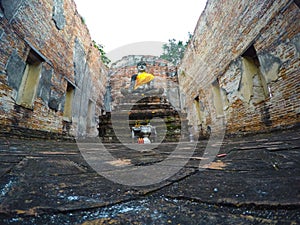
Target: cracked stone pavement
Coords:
[[253, 179]]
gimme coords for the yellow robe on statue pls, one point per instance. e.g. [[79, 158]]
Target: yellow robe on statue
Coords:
[[143, 78]]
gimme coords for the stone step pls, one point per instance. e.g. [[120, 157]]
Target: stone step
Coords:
[[125, 113], [142, 106], [127, 129], [171, 125], [157, 139], [140, 99], [125, 133], [145, 119], [153, 107]]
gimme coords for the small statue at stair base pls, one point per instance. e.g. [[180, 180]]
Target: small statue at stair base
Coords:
[[142, 82], [143, 132]]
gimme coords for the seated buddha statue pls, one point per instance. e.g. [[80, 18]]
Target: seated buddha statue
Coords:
[[142, 82]]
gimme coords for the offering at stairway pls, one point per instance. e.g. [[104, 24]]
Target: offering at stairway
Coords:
[[142, 132]]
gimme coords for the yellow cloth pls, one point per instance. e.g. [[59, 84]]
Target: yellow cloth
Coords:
[[143, 78]]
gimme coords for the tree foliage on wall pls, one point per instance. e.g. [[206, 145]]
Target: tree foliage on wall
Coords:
[[104, 58], [173, 51]]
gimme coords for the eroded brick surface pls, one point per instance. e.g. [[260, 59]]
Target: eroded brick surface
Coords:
[[57, 34], [242, 66], [165, 77]]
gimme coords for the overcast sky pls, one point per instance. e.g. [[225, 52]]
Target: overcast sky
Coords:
[[117, 24]]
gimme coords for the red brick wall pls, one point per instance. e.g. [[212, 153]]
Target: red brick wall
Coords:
[[68, 52], [122, 70], [216, 53]]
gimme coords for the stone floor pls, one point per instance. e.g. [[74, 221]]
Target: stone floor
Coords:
[[249, 180]]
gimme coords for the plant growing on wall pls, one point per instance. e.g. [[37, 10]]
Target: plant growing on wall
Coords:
[[104, 58]]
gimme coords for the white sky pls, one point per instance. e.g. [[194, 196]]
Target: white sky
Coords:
[[117, 23]]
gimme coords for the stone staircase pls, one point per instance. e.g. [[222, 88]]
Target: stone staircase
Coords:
[[170, 125]]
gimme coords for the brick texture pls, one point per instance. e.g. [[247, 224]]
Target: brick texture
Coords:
[[250, 51], [165, 77], [56, 32]]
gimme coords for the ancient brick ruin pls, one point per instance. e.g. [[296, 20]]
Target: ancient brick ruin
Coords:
[[240, 71], [240, 74], [52, 79], [242, 66], [161, 109], [165, 77]]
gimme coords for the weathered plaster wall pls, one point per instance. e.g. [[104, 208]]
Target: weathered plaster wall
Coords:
[[165, 77], [242, 65], [54, 33]]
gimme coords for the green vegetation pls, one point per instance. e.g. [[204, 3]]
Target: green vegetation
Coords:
[[82, 20], [173, 51], [104, 58]]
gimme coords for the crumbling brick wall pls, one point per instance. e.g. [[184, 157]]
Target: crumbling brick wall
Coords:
[[165, 77], [242, 67], [52, 79]]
